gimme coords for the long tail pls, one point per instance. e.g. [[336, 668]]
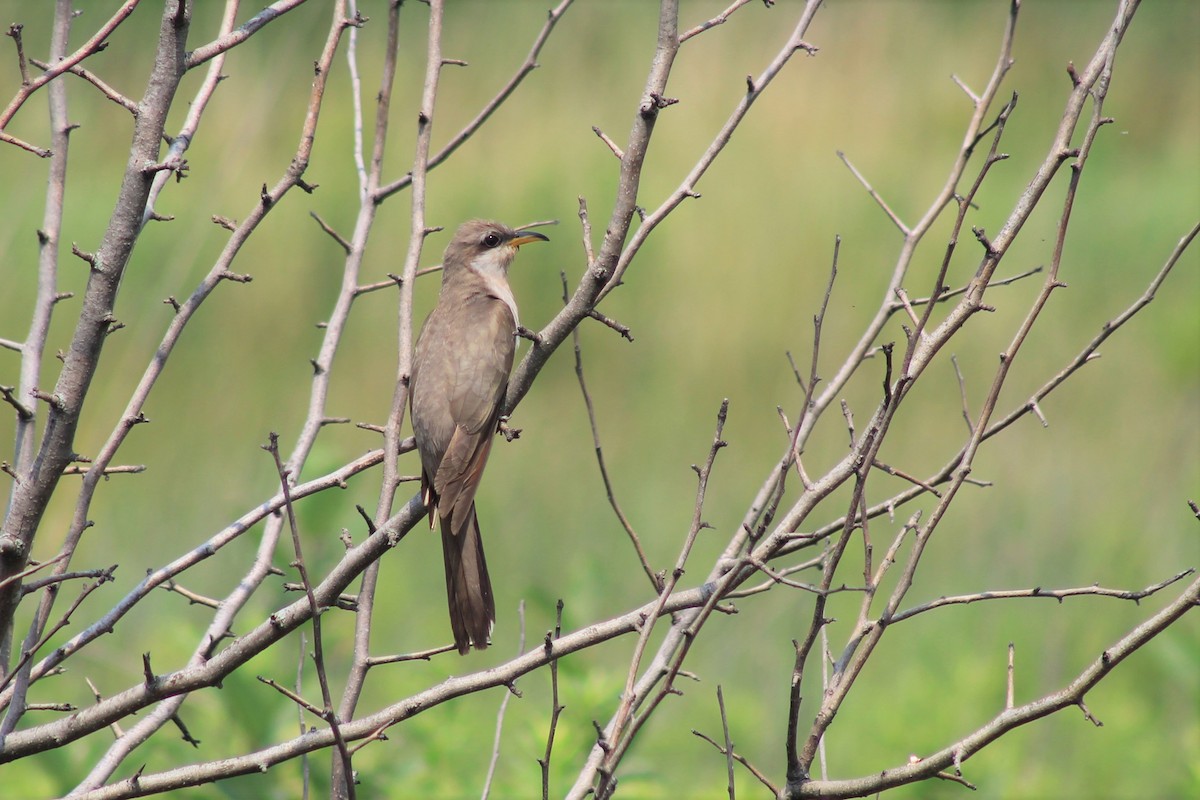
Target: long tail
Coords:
[[468, 587]]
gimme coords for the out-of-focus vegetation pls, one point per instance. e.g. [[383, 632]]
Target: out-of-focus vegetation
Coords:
[[720, 293]]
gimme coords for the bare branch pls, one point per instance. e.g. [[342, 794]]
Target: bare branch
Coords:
[[1070, 696], [656, 580]]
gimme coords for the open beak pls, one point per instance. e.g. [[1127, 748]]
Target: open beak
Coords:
[[525, 237]]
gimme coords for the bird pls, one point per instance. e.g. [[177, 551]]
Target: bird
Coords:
[[457, 384]]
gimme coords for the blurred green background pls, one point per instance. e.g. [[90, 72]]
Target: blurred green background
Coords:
[[721, 291]]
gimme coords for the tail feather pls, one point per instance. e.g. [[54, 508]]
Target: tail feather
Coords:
[[468, 587]]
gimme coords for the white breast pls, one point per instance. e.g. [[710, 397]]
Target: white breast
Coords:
[[492, 267]]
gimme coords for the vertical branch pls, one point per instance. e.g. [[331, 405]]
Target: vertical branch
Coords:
[[133, 415], [259, 568], [616, 738], [555, 708], [369, 181], [418, 230], [81, 361], [494, 761], [315, 610], [34, 345], [797, 766], [182, 140], [33, 349]]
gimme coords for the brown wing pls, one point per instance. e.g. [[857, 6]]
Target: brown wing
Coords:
[[429, 387], [482, 364]]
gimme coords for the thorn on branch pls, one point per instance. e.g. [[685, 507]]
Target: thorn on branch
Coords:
[[148, 676], [89, 258], [264, 195], [601, 740], [226, 222], [173, 303], [795, 371], [887, 374], [982, 238], [183, 731], [52, 400], [616, 151], [532, 336], [226, 275], [14, 32], [661, 101], [656, 103], [1088, 714], [337, 237], [616, 326], [172, 164], [1037, 411], [966, 89], [1073, 74], [22, 412]]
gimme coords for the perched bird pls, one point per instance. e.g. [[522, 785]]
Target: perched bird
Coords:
[[459, 377]]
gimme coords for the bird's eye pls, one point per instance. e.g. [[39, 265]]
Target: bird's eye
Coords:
[[491, 239]]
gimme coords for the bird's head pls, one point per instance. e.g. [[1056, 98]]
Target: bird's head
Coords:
[[485, 247]]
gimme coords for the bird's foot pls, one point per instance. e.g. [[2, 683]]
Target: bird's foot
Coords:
[[508, 433]]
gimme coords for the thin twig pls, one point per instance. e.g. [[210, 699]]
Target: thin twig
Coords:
[[738, 757], [327, 713], [495, 759], [904, 229], [728, 742], [1134, 595], [555, 709], [656, 581], [489, 108], [708, 24], [25, 573]]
